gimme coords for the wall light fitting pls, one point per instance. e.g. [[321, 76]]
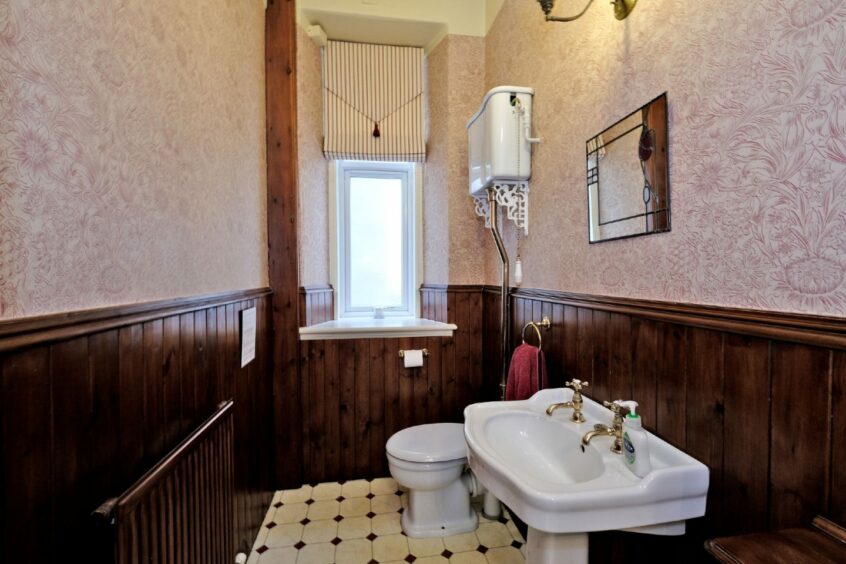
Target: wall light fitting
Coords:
[[622, 9]]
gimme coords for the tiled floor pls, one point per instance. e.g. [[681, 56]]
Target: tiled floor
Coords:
[[358, 522]]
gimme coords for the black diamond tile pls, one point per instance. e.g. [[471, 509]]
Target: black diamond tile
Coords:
[[502, 520], [309, 501], [398, 492], [340, 498], [370, 496], [336, 541], [342, 482], [278, 504], [299, 545], [270, 525], [339, 518], [410, 558], [481, 548], [305, 521], [373, 562], [372, 537], [401, 509], [371, 515], [262, 549], [446, 553], [517, 544]]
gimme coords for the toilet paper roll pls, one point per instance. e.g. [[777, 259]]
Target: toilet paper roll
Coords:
[[413, 358]]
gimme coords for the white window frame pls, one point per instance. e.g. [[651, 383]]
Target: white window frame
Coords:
[[411, 174]]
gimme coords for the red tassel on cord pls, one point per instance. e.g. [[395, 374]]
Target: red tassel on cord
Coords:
[[376, 130]]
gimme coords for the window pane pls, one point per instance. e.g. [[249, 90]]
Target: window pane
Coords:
[[375, 239]]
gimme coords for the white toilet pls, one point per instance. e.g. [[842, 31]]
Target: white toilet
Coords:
[[430, 461]]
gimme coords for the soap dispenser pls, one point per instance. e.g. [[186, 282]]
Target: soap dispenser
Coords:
[[635, 442]]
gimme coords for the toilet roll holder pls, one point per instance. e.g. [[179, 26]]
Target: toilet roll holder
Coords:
[[402, 353]]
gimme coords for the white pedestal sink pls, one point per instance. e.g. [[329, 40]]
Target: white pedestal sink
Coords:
[[535, 464]]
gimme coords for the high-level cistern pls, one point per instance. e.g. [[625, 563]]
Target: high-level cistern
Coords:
[[615, 431], [576, 403]]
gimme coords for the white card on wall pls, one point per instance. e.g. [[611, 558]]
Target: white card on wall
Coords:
[[248, 336]]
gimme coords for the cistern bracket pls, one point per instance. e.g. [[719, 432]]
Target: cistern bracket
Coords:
[[514, 197]]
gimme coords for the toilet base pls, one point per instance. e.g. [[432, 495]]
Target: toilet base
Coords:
[[447, 529], [440, 513]]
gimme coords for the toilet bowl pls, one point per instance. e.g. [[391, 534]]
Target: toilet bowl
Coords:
[[430, 461]]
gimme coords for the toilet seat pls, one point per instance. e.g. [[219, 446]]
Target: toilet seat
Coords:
[[434, 442], [425, 466]]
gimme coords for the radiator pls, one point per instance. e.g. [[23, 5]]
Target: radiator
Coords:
[[181, 510]]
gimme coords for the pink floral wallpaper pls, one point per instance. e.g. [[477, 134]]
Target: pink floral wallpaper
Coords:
[[467, 234], [436, 169], [132, 161], [313, 189], [454, 246], [757, 94]]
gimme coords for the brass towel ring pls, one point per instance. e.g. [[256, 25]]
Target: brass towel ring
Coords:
[[545, 323]]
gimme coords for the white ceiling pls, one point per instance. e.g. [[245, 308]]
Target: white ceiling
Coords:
[[419, 23], [376, 29]]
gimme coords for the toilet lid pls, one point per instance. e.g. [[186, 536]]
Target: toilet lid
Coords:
[[435, 442]]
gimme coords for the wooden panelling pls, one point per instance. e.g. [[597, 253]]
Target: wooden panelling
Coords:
[[800, 433], [316, 305], [358, 393], [85, 411], [837, 503], [757, 397], [727, 386], [746, 432]]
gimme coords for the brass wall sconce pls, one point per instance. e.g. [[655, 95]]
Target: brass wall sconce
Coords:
[[622, 9]]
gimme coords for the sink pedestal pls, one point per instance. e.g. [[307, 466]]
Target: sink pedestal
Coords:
[[556, 548]]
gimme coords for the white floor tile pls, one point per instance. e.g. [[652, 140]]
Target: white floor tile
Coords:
[[504, 555], [358, 551], [328, 490], [391, 547], [309, 525], [355, 488], [298, 495], [382, 486], [355, 528], [287, 534], [326, 509], [320, 531], [323, 553], [293, 513], [287, 555]]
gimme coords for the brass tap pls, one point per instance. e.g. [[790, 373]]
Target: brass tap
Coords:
[[615, 431], [576, 403]]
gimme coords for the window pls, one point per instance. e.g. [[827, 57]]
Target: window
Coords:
[[375, 260]]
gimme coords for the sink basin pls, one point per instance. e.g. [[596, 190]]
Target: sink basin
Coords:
[[544, 454], [534, 463]]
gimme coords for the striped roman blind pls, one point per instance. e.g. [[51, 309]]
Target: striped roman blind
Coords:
[[373, 102]]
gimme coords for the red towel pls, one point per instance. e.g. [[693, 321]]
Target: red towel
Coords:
[[527, 373]]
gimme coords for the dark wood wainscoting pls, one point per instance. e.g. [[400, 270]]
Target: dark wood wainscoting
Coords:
[[317, 304], [758, 397], [356, 393], [91, 400]]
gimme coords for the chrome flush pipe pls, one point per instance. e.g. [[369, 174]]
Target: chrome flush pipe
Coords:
[[504, 317]]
